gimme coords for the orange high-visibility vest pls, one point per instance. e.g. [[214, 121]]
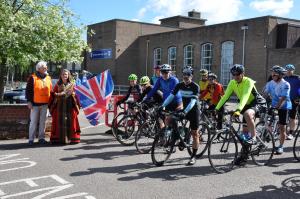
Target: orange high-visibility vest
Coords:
[[41, 89]]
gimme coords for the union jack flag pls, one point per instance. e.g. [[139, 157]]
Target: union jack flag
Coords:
[[94, 95]]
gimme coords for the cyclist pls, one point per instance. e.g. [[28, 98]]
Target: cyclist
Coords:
[[203, 83], [279, 89], [216, 91], [156, 75], [189, 91], [146, 88], [134, 89], [294, 81], [243, 87], [166, 84]]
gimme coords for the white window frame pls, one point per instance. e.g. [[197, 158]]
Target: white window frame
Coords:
[[172, 57], [206, 56], [188, 60], [227, 53], [157, 53]]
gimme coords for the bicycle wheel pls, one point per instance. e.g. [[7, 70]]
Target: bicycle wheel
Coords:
[[296, 147], [205, 134], [145, 136], [222, 151], [115, 122], [262, 153], [260, 126], [162, 149], [125, 130]]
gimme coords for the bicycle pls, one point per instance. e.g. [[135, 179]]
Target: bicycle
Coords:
[[146, 133], [124, 130], [176, 136], [223, 154], [270, 122], [296, 146]]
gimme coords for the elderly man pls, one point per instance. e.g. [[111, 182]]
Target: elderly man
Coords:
[[37, 94]]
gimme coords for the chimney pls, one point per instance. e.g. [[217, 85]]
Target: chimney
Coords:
[[194, 14]]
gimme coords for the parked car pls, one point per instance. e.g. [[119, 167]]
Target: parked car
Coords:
[[15, 96]]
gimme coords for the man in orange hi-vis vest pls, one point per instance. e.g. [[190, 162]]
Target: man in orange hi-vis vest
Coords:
[[37, 94]]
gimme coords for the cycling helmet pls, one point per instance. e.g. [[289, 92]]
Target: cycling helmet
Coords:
[[289, 67], [237, 69], [144, 80], [165, 67], [132, 77], [203, 72], [187, 70], [212, 75], [278, 69], [156, 67]]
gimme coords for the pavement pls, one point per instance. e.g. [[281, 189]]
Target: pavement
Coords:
[[99, 167]]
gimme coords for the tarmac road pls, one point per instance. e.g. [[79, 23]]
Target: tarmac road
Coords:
[[99, 167]]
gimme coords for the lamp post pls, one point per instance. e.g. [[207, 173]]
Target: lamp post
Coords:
[[244, 29], [147, 50]]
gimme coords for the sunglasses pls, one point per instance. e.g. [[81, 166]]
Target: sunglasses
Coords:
[[275, 75], [235, 74], [211, 79], [143, 84], [164, 72]]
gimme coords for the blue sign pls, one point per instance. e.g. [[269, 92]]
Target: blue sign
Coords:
[[101, 54]]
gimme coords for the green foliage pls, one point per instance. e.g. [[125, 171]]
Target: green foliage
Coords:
[[32, 30]]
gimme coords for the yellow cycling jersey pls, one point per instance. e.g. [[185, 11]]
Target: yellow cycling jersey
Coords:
[[243, 91], [203, 86]]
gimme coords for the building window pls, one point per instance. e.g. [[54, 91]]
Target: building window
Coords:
[[188, 55], [206, 56], [172, 58], [157, 56], [226, 61]]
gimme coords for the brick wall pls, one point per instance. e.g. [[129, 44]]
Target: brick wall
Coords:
[[14, 121]]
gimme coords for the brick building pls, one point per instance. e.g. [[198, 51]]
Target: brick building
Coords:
[[133, 47]]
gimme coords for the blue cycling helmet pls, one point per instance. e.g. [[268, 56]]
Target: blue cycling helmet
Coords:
[[289, 67]]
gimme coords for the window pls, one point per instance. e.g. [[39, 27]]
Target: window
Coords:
[[172, 57], [157, 57], [188, 55], [206, 56], [226, 61]]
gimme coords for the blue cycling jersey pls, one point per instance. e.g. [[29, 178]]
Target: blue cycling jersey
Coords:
[[166, 86], [294, 81], [278, 90]]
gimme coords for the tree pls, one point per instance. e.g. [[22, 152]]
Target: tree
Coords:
[[32, 30]]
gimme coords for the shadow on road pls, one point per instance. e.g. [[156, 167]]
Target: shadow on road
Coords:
[[105, 155], [290, 189], [138, 171]]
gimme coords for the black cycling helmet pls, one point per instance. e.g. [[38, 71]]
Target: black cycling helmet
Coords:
[[187, 70], [278, 69], [237, 69], [165, 67]]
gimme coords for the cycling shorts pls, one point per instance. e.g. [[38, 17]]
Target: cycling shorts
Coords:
[[194, 117], [283, 116], [292, 113]]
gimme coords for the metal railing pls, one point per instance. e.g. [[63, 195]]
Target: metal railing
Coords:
[[120, 89]]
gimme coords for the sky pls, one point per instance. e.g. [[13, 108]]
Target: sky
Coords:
[[150, 11]]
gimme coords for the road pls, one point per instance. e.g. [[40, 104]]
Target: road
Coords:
[[99, 167]]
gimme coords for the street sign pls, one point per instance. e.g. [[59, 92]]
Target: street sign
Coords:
[[101, 54]]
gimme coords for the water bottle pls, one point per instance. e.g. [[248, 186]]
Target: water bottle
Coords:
[[181, 131], [167, 132]]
